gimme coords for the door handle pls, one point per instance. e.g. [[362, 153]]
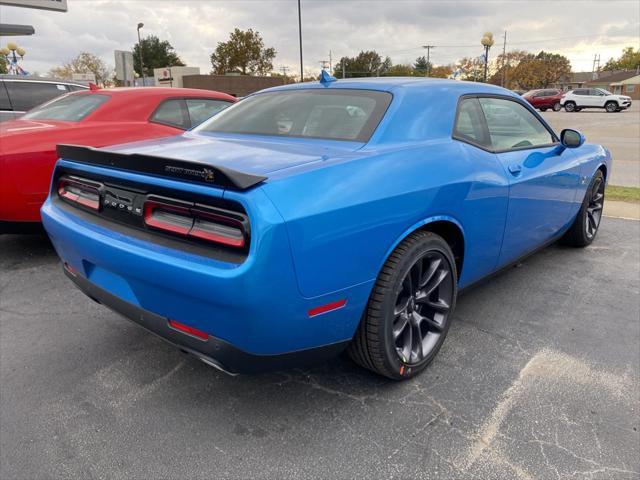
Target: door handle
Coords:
[[515, 169]]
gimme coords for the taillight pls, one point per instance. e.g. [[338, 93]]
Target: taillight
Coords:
[[80, 192], [200, 221]]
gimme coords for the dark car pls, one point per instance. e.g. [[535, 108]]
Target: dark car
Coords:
[[19, 94], [544, 99]]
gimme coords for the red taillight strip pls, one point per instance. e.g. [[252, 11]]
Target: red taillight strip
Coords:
[[76, 198], [181, 327], [156, 222], [329, 307]]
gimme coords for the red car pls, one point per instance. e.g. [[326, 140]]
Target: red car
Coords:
[[545, 99], [94, 118]]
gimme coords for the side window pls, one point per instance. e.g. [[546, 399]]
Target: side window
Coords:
[[511, 125], [579, 91], [26, 95], [172, 113], [4, 98], [596, 92], [469, 124], [201, 109]]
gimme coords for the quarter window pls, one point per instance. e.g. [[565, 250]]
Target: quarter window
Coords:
[[469, 125], [172, 113], [512, 126]]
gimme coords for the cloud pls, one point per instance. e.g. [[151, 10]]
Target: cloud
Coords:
[[397, 28]]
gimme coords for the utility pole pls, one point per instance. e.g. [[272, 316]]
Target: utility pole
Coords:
[[284, 70], [324, 64], [330, 63], [428, 47], [504, 54], [344, 73], [596, 66], [300, 36]]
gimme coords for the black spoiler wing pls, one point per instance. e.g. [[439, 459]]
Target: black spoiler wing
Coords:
[[189, 171]]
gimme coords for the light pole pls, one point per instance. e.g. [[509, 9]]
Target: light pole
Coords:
[[487, 42], [140, 25], [300, 37]]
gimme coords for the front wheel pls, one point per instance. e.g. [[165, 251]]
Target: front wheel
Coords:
[[585, 226], [611, 107], [569, 106], [556, 107], [410, 308]]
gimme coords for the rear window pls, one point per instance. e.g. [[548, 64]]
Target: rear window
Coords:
[[70, 108], [339, 114]]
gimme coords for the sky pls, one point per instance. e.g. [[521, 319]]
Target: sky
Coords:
[[397, 28]]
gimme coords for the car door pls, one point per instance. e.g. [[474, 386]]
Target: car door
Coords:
[[598, 97], [543, 175]]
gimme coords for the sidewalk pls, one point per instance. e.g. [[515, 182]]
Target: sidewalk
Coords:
[[616, 208]]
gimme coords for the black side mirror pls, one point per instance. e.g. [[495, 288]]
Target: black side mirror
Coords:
[[571, 138]]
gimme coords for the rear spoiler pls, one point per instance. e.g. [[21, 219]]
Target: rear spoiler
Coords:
[[195, 172]]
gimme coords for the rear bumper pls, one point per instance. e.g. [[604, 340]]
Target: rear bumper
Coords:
[[212, 351]]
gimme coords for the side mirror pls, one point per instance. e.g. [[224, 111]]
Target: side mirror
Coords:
[[571, 138]]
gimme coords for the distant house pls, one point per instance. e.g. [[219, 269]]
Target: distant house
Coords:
[[621, 82], [590, 79]]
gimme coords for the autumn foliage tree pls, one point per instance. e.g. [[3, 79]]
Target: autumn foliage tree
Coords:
[[85, 62], [365, 64], [243, 53], [629, 60], [528, 71]]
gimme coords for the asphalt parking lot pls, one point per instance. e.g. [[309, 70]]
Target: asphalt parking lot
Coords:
[[620, 132], [537, 379]]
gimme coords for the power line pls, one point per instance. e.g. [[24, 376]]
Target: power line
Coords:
[[428, 47]]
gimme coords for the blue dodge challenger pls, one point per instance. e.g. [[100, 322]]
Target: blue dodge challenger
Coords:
[[317, 217]]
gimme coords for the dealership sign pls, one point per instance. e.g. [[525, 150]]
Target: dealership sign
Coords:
[[56, 5]]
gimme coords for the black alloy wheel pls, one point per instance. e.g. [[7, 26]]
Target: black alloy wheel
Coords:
[[422, 307], [410, 308], [594, 208]]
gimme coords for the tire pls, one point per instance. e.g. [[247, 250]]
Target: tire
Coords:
[[611, 107], [556, 107], [585, 226], [577, 109], [569, 106], [397, 312], [543, 109]]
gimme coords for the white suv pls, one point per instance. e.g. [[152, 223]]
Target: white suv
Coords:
[[580, 98]]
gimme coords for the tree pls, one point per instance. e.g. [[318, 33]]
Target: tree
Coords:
[[539, 71], [243, 53], [3, 65], [629, 60], [155, 54], [422, 66], [85, 62], [441, 71], [506, 63], [400, 71], [366, 64]]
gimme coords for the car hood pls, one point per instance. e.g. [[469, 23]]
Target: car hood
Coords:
[[254, 154]]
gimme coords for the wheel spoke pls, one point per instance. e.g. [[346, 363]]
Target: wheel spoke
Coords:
[[399, 325], [440, 305], [433, 324], [428, 275], [401, 305], [434, 283]]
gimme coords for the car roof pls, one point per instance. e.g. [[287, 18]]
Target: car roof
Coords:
[[389, 84], [29, 78], [147, 92]]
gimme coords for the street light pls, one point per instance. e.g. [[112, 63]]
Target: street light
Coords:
[[487, 43], [9, 54], [140, 25]]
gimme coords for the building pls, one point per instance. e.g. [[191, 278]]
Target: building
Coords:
[[629, 87], [236, 85], [581, 79], [620, 82], [173, 76]]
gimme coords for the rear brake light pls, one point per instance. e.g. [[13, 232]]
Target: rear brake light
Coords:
[[80, 192], [204, 223]]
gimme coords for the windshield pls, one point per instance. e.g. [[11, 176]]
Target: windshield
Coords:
[[70, 108], [606, 92], [338, 114]]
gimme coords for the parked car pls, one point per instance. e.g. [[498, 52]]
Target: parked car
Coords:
[[96, 118], [314, 217], [19, 93], [580, 98], [545, 99]]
